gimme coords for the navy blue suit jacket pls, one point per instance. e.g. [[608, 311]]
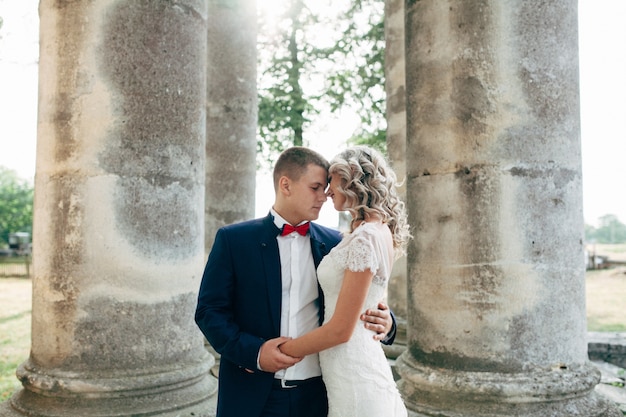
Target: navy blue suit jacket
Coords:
[[239, 306]]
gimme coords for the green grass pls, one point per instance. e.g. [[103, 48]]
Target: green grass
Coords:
[[606, 300], [15, 318], [8, 382], [597, 325]]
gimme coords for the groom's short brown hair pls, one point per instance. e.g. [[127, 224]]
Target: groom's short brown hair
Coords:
[[294, 161]]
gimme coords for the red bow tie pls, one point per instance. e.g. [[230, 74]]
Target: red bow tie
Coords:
[[302, 229]]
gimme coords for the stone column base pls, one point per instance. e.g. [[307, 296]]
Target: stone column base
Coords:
[[185, 390], [559, 391]]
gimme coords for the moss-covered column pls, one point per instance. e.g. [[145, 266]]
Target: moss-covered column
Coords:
[[496, 270], [118, 228]]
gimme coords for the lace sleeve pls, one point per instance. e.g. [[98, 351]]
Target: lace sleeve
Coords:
[[360, 255]]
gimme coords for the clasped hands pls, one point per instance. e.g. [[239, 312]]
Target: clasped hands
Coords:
[[272, 360]]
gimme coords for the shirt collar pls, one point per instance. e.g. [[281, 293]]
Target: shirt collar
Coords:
[[279, 221]]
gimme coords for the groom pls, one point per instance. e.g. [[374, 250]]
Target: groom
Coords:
[[260, 288]]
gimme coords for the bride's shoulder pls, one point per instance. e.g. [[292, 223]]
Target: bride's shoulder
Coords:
[[371, 229]]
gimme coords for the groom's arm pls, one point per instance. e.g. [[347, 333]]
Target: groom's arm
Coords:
[[382, 321], [216, 309], [218, 315]]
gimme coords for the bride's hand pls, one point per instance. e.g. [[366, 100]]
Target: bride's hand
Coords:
[[271, 359]]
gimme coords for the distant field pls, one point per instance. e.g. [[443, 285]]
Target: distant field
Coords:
[[615, 252], [606, 291], [606, 300]]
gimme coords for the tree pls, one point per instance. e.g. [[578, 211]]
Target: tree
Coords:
[[590, 233], [319, 60], [16, 205], [611, 230], [284, 108], [358, 79]]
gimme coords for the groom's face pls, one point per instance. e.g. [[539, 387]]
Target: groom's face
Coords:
[[307, 194]]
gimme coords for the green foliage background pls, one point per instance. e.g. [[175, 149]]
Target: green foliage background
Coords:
[[16, 205], [301, 73], [610, 230]]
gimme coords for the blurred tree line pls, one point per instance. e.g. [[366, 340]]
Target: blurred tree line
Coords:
[[16, 205], [610, 230]]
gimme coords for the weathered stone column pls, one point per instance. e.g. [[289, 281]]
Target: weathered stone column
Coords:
[[396, 148], [232, 113], [118, 239], [497, 321]]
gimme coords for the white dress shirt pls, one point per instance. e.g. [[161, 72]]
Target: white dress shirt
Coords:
[[299, 313]]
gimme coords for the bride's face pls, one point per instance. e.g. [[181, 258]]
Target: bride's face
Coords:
[[336, 193]]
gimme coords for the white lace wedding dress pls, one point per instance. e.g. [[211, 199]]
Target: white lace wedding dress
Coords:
[[357, 375]]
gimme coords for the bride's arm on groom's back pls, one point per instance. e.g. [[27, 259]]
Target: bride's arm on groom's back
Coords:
[[341, 325]]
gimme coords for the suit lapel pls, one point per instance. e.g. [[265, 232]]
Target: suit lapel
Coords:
[[319, 249], [271, 268]]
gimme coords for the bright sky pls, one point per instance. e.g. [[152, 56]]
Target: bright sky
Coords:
[[603, 92], [602, 35]]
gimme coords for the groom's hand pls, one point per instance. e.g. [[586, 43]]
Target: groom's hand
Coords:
[[379, 320], [271, 359]]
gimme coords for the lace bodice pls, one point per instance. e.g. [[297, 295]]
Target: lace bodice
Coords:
[[358, 378], [369, 246]]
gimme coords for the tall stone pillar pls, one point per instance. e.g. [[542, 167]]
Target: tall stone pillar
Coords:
[[118, 228], [396, 149], [232, 113], [496, 301]]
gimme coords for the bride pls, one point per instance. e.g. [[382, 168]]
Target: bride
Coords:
[[354, 277]]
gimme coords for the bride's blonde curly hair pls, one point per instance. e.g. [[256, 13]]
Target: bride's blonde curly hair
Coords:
[[370, 187]]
